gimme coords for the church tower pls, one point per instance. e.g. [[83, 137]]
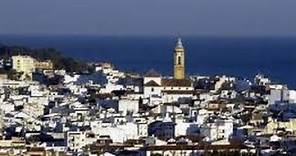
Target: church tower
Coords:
[[179, 61]]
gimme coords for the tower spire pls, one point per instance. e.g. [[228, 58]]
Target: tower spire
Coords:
[[179, 43]]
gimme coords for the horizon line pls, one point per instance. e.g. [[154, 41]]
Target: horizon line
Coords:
[[145, 35]]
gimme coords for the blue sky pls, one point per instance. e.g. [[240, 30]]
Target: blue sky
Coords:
[[149, 17]]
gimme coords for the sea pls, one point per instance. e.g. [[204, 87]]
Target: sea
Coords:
[[243, 57]]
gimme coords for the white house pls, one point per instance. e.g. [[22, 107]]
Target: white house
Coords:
[[76, 140], [186, 128], [217, 130], [34, 109], [278, 95], [127, 105], [118, 133]]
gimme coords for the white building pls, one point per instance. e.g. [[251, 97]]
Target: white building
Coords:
[[118, 133], [186, 129], [168, 90], [201, 116], [126, 106], [261, 80], [278, 95], [109, 87], [6, 107], [76, 140], [34, 109], [176, 96], [70, 79], [292, 96], [23, 64], [223, 79], [217, 130]]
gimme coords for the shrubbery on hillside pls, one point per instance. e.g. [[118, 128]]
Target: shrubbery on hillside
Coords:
[[42, 54]]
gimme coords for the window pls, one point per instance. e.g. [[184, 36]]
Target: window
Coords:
[[152, 89], [179, 60]]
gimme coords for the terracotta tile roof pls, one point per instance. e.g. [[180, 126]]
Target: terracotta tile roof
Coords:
[[151, 84], [152, 73], [196, 147], [176, 83], [178, 91], [257, 116], [37, 149]]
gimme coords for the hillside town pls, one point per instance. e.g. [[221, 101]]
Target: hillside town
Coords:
[[51, 112]]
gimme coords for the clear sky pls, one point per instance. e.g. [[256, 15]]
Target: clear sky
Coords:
[[149, 17]]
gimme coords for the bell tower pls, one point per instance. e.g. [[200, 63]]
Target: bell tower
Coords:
[[179, 61]]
